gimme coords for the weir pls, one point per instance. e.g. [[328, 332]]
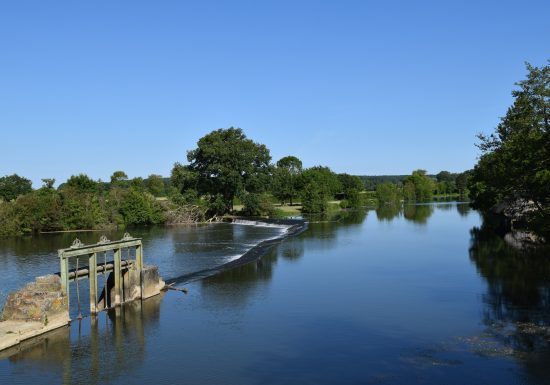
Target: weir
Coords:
[[43, 305]]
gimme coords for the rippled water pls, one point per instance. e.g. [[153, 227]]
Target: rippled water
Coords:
[[419, 295]]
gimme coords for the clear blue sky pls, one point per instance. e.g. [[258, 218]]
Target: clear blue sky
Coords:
[[364, 87]]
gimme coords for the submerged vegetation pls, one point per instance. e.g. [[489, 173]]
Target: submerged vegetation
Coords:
[[226, 173]]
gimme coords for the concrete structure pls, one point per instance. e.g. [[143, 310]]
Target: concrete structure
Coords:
[[43, 305]]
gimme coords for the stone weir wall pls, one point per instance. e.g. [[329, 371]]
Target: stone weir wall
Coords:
[[37, 308], [41, 306], [38, 301]]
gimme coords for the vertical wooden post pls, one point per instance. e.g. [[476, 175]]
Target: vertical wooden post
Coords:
[[92, 263], [139, 266], [118, 297], [139, 258], [64, 269], [64, 272]]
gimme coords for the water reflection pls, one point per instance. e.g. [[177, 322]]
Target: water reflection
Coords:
[[416, 213], [94, 350], [463, 209], [517, 299], [388, 212]]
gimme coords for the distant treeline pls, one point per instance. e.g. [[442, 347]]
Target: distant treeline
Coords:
[[226, 168], [421, 187]]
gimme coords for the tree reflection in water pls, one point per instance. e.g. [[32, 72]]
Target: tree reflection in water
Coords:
[[388, 212], [517, 300], [96, 349], [418, 214], [240, 282]]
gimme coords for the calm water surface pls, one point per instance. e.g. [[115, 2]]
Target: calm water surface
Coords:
[[421, 295]]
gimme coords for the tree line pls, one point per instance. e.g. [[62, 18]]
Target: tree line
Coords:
[[226, 168], [421, 187]]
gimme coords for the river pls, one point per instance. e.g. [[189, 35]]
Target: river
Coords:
[[420, 295]]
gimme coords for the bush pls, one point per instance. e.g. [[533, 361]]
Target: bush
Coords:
[[314, 200], [256, 205]]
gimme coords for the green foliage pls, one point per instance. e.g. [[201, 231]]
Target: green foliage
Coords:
[[80, 210], [350, 183], [39, 210], [48, 183], [418, 187], [314, 199], [183, 178], [371, 181], [353, 200], [140, 209], [388, 193], [256, 205], [119, 178], [286, 181], [137, 183], [81, 183], [461, 182], [227, 163], [11, 186], [324, 179], [155, 185], [445, 176], [515, 163]]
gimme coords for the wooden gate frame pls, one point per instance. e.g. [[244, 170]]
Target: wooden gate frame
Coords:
[[78, 249]]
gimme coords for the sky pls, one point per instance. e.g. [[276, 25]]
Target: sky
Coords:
[[364, 87]]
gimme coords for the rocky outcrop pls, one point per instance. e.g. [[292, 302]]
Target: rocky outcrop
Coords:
[[515, 216]]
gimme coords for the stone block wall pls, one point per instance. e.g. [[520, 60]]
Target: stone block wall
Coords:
[[38, 301]]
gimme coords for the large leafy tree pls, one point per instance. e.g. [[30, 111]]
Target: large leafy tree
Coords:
[[286, 178], [514, 166], [227, 163], [11, 186]]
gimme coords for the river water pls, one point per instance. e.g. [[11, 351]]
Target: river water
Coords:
[[420, 295]]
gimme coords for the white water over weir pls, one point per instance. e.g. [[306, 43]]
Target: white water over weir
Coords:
[[248, 222]]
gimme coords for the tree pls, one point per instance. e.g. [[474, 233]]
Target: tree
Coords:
[[350, 183], [387, 193], [11, 186], [418, 187], [81, 183], [314, 199], [514, 166], [324, 178], [48, 183], [461, 182], [139, 209], [155, 185], [137, 184], [119, 177], [286, 178], [445, 176], [227, 163]]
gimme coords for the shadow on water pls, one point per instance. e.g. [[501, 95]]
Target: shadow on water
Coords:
[[94, 350], [516, 304]]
